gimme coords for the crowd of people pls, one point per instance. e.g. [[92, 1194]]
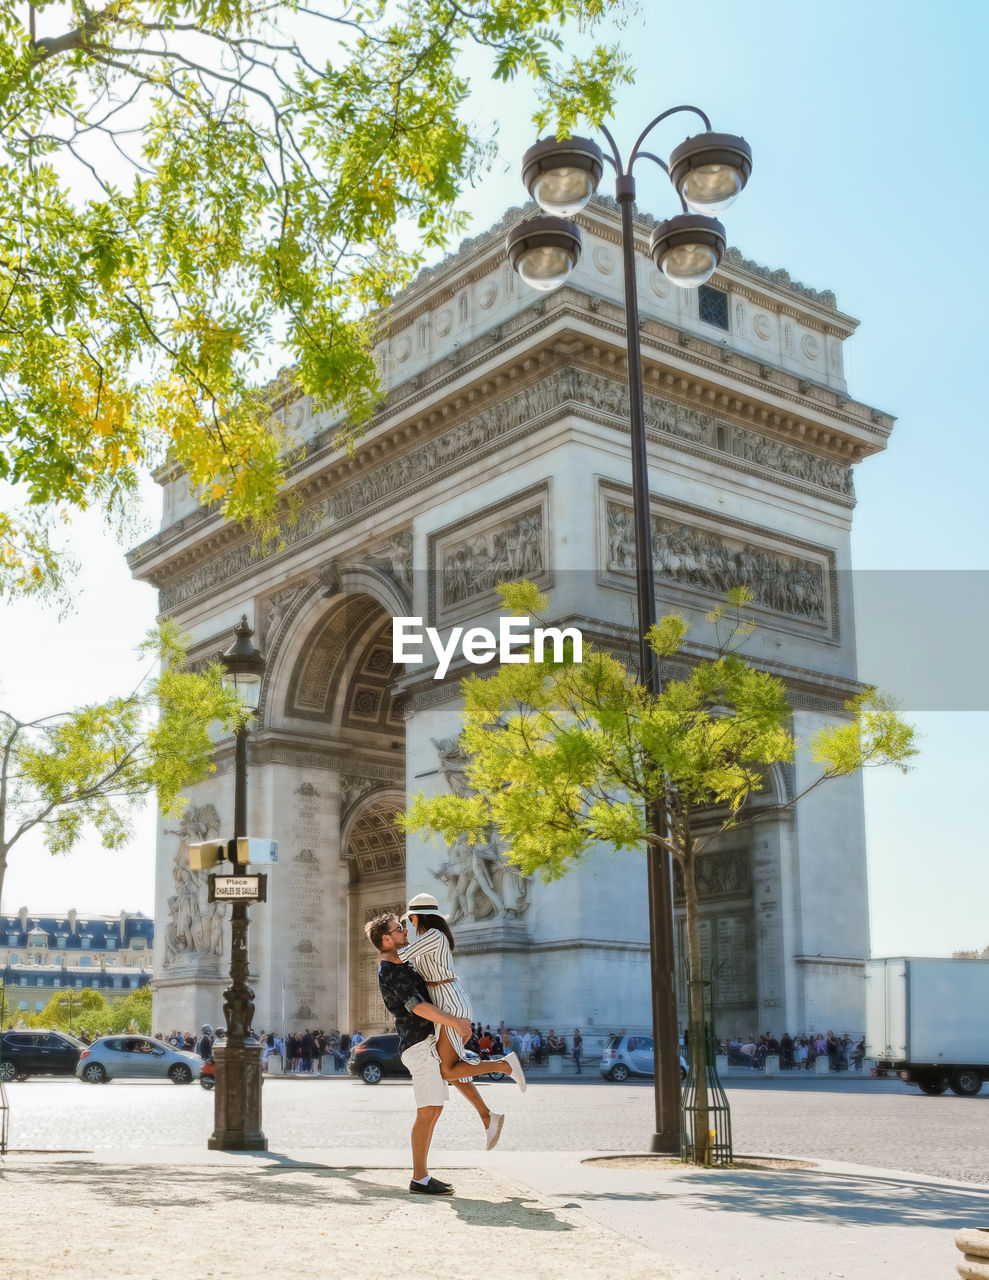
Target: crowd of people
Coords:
[[302, 1052], [299, 1052], [796, 1053], [532, 1046]]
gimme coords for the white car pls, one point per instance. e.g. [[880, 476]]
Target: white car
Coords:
[[132, 1057], [626, 1056]]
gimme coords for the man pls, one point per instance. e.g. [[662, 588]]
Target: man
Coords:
[[405, 996]]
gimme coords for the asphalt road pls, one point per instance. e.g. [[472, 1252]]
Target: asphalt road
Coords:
[[882, 1123]]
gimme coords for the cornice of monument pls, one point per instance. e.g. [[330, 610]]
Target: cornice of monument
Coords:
[[573, 330], [297, 748]]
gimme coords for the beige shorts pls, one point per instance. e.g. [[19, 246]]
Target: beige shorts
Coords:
[[423, 1063]]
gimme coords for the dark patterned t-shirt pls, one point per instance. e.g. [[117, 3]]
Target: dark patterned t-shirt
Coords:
[[402, 988]]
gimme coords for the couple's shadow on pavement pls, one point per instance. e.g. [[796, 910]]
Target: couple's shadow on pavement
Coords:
[[275, 1181]]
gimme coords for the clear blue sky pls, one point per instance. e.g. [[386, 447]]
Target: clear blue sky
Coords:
[[869, 179]]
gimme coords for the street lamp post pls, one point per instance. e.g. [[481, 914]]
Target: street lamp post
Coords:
[[237, 1097], [708, 172]]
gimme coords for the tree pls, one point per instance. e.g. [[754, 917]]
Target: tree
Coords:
[[133, 1011], [75, 1010], [566, 756], [190, 185], [92, 766]]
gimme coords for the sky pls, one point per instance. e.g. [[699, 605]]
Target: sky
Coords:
[[868, 179]]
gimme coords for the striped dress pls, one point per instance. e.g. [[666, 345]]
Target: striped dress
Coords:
[[430, 956]]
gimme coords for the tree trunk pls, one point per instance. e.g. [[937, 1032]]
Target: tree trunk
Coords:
[[695, 1008]]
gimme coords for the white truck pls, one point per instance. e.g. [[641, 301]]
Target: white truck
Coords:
[[928, 1020]]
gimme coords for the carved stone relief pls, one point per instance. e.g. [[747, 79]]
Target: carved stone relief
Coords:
[[722, 874], [394, 560], [194, 927], [714, 561], [482, 885], [483, 430], [500, 544]]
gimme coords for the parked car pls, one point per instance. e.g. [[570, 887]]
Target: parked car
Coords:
[[626, 1056], [130, 1057], [375, 1057], [38, 1053]]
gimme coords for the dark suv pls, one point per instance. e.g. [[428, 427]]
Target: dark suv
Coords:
[[38, 1053], [375, 1057]]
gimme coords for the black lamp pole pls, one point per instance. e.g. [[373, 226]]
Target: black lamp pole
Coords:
[[708, 172], [237, 1097]]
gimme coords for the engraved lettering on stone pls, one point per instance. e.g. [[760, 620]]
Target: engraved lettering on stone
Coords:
[[712, 562], [810, 346], [502, 553], [763, 326]]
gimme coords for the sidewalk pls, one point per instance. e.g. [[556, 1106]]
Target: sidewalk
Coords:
[[120, 1214]]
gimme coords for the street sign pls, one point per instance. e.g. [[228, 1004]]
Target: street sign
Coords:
[[256, 849], [238, 888], [205, 855]]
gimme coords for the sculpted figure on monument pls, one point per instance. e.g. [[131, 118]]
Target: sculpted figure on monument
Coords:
[[481, 885], [194, 925]]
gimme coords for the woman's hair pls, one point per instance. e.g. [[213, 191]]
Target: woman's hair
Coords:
[[435, 922]]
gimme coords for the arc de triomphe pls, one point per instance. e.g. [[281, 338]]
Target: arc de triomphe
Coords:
[[502, 451]]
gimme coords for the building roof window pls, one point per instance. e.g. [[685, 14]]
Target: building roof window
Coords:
[[712, 306]]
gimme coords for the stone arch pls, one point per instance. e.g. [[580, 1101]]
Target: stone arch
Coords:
[[375, 852], [293, 617], [334, 737]]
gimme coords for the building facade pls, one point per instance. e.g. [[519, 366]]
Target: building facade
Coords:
[[40, 955], [502, 451]]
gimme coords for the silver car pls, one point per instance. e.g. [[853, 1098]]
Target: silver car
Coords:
[[131, 1057], [626, 1056]]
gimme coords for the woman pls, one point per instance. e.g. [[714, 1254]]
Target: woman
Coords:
[[432, 956]]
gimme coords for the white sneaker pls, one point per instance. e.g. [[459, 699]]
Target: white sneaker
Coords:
[[493, 1130], [518, 1075]]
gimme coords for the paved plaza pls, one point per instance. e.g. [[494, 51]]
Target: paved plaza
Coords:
[[125, 1168]]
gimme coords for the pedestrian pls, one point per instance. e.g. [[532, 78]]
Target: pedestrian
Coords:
[[432, 955], [406, 998], [578, 1048]]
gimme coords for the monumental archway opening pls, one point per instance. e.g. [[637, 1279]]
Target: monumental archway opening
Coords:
[[338, 740], [375, 850]]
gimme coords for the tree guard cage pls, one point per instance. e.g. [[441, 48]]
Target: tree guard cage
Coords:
[[705, 1116]]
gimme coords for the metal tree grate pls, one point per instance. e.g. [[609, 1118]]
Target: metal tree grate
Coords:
[[715, 1140]]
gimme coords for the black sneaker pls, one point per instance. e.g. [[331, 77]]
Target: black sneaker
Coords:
[[431, 1188]]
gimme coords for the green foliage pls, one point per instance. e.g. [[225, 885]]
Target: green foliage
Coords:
[[566, 756], [190, 184], [92, 766], [132, 1012], [74, 1009]]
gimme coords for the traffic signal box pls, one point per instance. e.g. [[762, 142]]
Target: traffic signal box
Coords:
[[240, 852]]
